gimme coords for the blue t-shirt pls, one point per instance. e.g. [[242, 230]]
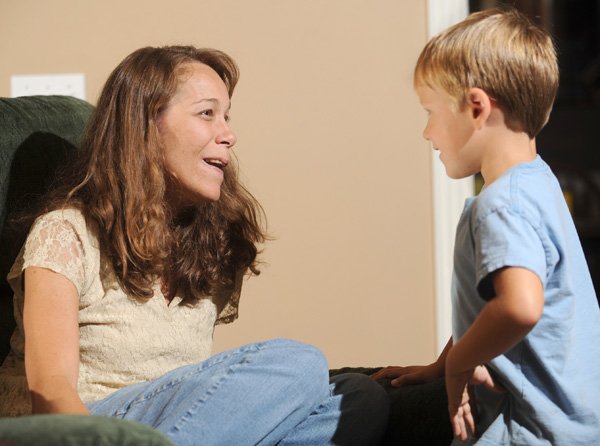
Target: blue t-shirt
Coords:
[[552, 376]]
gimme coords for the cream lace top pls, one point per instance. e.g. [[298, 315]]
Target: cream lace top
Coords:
[[122, 340]]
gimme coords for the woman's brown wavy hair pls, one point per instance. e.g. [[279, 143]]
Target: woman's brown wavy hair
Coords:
[[119, 183]]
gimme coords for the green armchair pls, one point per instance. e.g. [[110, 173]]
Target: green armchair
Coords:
[[37, 135]]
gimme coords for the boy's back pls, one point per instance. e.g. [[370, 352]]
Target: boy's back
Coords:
[[552, 375]]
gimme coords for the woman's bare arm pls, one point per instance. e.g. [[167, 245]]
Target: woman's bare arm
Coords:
[[51, 324]]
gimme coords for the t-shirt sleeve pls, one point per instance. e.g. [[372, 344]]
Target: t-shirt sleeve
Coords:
[[504, 238], [54, 243]]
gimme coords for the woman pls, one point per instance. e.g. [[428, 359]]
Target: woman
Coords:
[[139, 254]]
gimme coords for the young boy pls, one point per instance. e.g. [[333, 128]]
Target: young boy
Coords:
[[526, 322]]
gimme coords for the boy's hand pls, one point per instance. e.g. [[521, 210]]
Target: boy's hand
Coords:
[[459, 403], [462, 412], [414, 374]]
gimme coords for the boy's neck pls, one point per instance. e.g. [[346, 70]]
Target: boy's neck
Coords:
[[505, 149]]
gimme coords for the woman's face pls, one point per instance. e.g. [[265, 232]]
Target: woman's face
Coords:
[[196, 137]]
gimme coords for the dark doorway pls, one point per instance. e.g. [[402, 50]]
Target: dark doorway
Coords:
[[570, 142]]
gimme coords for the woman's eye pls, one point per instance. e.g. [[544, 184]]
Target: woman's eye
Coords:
[[207, 113]]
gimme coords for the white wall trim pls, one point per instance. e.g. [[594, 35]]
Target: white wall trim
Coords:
[[448, 195]]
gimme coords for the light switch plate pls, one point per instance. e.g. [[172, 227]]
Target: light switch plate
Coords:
[[72, 84]]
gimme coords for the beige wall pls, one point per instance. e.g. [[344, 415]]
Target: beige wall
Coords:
[[329, 140]]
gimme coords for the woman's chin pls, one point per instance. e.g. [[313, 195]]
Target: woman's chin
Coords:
[[208, 197]]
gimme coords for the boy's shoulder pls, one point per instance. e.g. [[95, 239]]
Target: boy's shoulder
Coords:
[[524, 190], [528, 191]]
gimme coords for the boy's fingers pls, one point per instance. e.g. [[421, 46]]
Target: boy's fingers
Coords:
[[483, 376], [495, 386], [471, 422], [378, 375], [387, 372], [461, 416], [397, 382], [468, 418], [454, 422], [411, 378], [458, 423], [455, 427]]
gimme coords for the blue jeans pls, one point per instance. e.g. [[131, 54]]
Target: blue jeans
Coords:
[[274, 392]]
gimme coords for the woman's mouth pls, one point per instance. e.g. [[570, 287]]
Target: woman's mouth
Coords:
[[214, 162]]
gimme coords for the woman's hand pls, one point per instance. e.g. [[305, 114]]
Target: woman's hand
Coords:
[[414, 374]]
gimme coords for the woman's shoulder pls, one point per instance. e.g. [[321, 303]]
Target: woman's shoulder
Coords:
[[62, 241], [63, 222], [71, 215]]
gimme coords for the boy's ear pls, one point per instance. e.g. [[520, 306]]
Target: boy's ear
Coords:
[[479, 105]]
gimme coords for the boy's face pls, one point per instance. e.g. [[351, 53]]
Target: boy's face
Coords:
[[450, 131]]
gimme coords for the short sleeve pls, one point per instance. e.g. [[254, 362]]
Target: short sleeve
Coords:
[[504, 238], [54, 243]]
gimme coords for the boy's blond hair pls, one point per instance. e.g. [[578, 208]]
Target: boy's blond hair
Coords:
[[504, 54]]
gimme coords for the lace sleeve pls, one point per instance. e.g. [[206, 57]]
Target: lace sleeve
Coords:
[[55, 243]]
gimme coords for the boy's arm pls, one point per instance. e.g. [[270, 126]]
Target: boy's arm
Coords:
[[503, 322]]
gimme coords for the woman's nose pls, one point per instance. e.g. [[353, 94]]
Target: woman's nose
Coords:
[[226, 135]]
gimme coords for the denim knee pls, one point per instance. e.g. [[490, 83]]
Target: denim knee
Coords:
[[304, 366]]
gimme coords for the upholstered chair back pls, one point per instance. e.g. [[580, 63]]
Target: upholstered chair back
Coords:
[[38, 134]]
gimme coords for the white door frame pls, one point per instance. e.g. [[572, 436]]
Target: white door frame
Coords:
[[448, 195]]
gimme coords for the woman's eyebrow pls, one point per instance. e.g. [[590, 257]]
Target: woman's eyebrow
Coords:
[[213, 100]]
